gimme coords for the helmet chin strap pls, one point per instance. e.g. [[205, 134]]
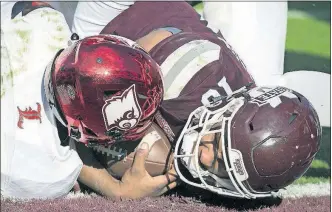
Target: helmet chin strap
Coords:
[[224, 183]]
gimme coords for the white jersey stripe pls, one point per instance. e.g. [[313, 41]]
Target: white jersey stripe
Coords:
[[180, 66], [189, 71], [178, 53], [200, 48]]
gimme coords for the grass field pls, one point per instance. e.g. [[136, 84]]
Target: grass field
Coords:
[[308, 48]]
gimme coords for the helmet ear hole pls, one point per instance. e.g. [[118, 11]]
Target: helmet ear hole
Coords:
[[299, 98], [108, 94], [292, 118], [90, 132], [251, 126], [270, 187]]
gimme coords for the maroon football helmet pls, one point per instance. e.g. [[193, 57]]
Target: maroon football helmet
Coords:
[[104, 88], [267, 136]]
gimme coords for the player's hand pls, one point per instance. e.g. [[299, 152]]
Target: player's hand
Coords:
[[136, 181], [169, 186]]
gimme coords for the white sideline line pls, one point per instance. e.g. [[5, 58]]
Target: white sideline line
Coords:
[[298, 14], [73, 195], [309, 190]]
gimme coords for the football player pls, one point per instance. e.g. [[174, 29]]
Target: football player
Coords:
[[233, 138], [94, 91]]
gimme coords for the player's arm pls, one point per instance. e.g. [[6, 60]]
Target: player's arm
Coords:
[[94, 175], [153, 38]]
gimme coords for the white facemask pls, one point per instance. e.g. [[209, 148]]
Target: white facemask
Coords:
[[188, 145]]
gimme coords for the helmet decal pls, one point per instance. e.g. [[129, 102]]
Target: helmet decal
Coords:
[[265, 95], [239, 168], [122, 112]]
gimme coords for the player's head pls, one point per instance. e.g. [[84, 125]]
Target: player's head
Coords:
[[262, 140], [104, 88]]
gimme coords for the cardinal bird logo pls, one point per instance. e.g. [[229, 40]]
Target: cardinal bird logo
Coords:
[[29, 114], [122, 112]]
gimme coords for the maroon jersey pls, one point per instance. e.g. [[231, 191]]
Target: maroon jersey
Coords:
[[197, 63]]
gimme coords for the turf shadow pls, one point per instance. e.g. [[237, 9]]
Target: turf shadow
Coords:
[[324, 153], [318, 172], [319, 9], [300, 61], [211, 199]]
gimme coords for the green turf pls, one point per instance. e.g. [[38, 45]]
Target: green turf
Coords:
[[313, 180], [308, 35], [319, 164], [199, 7]]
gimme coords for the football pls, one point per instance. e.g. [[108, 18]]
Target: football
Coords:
[[119, 157]]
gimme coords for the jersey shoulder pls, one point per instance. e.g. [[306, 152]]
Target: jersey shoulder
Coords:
[[197, 72]]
